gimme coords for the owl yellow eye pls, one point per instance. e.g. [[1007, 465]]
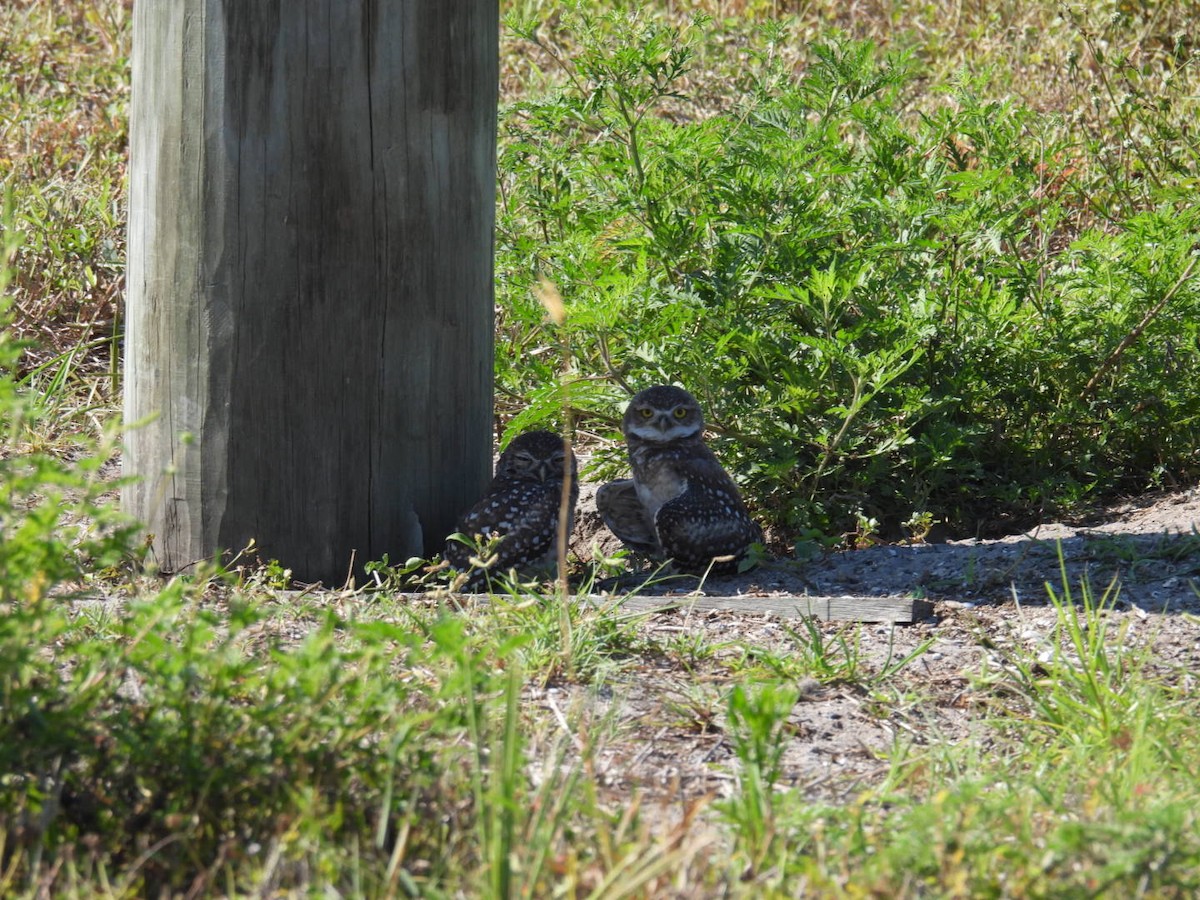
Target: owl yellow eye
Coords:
[[646, 412], [680, 412]]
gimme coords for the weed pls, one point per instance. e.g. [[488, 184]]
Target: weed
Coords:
[[757, 727]]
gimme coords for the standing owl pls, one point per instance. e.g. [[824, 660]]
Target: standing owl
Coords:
[[680, 504], [521, 507]]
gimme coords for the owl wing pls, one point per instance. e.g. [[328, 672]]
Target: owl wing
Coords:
[[706, 523], [524, 515], [623, 513]]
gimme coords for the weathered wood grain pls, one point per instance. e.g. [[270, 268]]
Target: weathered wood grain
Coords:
[[900, 610], [829, 609], [310, 300]]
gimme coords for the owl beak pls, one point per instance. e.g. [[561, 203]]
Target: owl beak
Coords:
[[544, 471]]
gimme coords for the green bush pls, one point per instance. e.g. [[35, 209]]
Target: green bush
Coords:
[[885, 312], [174, 743]]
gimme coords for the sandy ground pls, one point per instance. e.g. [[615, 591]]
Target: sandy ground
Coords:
[[990, 602]]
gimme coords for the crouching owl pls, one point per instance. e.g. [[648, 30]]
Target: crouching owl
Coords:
[[521, 507], [680, 504]]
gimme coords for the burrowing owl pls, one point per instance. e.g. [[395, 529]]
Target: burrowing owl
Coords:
[[521, 506], [680, 504]]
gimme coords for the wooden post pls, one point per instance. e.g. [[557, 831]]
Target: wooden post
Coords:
[[309, 322]]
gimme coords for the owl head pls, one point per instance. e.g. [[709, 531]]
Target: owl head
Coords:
[[534, 456], [663, 413]]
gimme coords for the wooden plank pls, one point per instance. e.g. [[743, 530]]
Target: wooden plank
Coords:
[[828, 609], [899, 610], [310, 285], [845, 608]]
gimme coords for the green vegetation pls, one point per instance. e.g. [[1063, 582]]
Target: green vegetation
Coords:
[[895, 302], [939, 264]]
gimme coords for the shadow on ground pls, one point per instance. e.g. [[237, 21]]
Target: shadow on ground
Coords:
[[1147, 552]]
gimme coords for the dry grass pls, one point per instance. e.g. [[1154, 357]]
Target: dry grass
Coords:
[[64, 87]]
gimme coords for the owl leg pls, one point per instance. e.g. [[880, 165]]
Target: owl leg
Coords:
[[623, 513], [696, 529]]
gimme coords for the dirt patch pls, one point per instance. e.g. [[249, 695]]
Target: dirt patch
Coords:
[[990, 599], [1147, 551]]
